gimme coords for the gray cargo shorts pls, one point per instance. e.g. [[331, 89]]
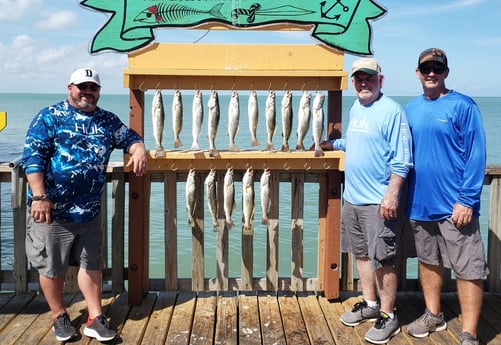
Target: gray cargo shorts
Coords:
[[51, 248], [366, 235], [462, 250]]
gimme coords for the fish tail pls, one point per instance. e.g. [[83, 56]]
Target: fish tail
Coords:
[[285, 147], [300, 147], [216, 11], [255, 142], [191, 222], [233, 148], [269, 147], [264, 220], [195, 146], [248, 230], [319, 152], [159, 152], [178, 143], [213, 153]]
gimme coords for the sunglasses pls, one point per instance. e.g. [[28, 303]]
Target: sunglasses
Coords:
[[87, 86], [435, 69]]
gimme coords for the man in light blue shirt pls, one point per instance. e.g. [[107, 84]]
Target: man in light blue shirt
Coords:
[[378, 148]]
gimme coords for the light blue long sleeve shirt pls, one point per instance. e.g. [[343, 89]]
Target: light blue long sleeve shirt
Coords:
[[378, 143], [449, 154]]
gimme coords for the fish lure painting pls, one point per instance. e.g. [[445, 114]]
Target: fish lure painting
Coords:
[[341, 24]]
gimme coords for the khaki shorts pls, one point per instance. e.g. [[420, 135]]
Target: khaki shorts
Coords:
[[366, 235], [51, 248], [461, 249]]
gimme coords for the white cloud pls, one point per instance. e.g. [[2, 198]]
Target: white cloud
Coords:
[[57, 21], [12, 10]]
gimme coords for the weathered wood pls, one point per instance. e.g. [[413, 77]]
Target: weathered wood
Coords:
[[170, 230], [249, 331], [197, 233], [297, 228], [204, 320], [222, 250], [294, 325], [117, 229], [137, 320], [272, 235], [160, 319], [317, 328], [494, 237], [182, 319], [226, 325], [271, 320]]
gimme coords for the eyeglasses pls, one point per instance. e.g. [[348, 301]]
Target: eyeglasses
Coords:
[[435, 69], [87, 86]]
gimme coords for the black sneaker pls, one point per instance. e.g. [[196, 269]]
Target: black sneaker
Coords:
[[100, 329], [62, 328]]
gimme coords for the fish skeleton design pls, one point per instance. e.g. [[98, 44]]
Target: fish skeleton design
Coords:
[[171, 13]]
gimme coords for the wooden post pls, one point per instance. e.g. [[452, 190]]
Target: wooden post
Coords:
[[139, 227]]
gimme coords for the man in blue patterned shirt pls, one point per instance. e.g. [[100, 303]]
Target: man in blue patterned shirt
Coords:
[[67, 149]]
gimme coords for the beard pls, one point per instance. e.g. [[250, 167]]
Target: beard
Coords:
[[89, 104]]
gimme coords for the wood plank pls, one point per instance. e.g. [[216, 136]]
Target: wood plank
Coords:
[[182, 319], [197, 235], [118, 229], [222, 245], [333, 309], [297, 229], [202, 332], [272, 234], [136, 324], [294, 325], [491, 315], [13, 307], [160, 319], [271, 321], [226, 324], [249, 332], [170, 230], [316, 326]]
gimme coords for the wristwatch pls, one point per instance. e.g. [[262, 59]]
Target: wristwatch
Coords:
[[40, 197]]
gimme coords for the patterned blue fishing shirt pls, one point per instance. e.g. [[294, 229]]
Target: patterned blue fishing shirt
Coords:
[[72, 149]]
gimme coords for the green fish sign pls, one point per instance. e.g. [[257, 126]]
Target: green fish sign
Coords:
[[343, 24]]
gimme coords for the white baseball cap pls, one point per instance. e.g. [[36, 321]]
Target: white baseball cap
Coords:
[[83, 75], [367, 65]]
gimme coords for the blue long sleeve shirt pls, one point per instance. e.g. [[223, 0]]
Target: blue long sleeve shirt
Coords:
[[72, 149], [377, 144], [449, 156]]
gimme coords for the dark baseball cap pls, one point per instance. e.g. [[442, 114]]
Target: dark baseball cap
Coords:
[[433, 54]]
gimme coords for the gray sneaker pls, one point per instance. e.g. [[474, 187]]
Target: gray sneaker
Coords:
[[468, 339], [62, 328], [361, 312], [383, 329], [428, 322], [100, 329]]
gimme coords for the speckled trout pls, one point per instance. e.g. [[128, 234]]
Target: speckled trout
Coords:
[[247, 201], [286, 120], [303, 117], [158, 118], [214, 115], [191, 197], [233, 120], [197, 118], [177, 117]]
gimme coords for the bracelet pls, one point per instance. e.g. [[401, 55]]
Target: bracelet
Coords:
[[40, 197]]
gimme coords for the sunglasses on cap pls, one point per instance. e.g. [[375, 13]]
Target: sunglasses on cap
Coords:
[[87, 86], [436, 69]]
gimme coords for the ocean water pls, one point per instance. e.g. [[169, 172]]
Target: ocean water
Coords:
[[21, 108]]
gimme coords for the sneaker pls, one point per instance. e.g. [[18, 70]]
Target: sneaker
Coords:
[[468, 339], [62, 328], [383, 329], [361, 312], [428, 322], [100, 329]]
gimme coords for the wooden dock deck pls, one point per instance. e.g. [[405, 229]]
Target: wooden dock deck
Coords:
[[233, 318]]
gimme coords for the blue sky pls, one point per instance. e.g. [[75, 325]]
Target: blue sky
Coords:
[[43, 41]]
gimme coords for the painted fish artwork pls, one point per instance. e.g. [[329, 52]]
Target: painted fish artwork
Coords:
[[165, 13]]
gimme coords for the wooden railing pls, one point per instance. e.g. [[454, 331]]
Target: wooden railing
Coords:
[[16, 274]]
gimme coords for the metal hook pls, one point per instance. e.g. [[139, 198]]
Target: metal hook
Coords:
[[327, 166], [302, 87], [269, 86], [286, 165], [307, 165], [141, 87], [157, 86], [212, 165], [248, 166], [190, 166], [228, 165], [173, 166], [285, 85], [265, 165], [251, 87]]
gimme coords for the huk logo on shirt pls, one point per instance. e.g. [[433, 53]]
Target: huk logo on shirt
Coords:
[[342, 24]]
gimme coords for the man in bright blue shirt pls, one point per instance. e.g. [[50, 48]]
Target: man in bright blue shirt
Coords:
[[444, 195], [66, 152], [378, 157]]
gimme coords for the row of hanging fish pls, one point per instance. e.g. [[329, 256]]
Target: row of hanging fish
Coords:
[[229, 204], [308, 115]]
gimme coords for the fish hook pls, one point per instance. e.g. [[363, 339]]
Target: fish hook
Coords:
[[265, 165], [212, 165], [286, 165], [327, 166], [307, 165], [251, 87], [248, 166], [285, 85], [173, 166], [269, 86], [228, 165], [157, 86], [302, 87], [190, 166], [141, 87]]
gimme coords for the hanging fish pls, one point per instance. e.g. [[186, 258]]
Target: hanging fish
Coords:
[[191, 197], [286, 120], [271, 121], [197, 119], [158, 118], [233, 119], [247, 201], [229, 197], [265, 195], [253, 111], [177, 117], [210, 183], [214, 115], [318, 123], [304, 115]]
